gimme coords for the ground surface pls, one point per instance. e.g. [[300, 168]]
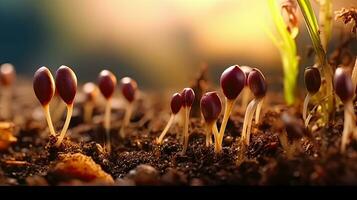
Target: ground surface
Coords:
[[138, 160]]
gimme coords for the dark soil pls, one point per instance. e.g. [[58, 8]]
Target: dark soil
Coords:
[[138, 160]]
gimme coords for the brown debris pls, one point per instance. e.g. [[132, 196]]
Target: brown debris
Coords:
[[348, 16], [6, 135], [79, 166]]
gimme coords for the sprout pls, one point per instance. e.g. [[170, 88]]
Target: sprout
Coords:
[[211, 108], [106, 83], [245, 93], [188, 96], [128, 89], [232, 82], [345, 90], [290, 139], [7, 78], [66, 85], [258, 87], [176, 104], [312, 83], [91, 91], [44, 87]]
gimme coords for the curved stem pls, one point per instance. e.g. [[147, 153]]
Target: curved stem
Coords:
[[248, 121], [217, 140], [66, 125], [245, 97], [305, 106], [107, 115], [168, 125], [46, 109], [5, 102], [227, 112], [209, 129], [185, 133], [349, 125], [88, 111], [180, 136], [59, 111], [126, 120], [258, 111]]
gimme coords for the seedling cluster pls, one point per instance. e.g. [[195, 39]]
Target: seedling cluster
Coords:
[[232, 81], [66, 85], [7, 79]]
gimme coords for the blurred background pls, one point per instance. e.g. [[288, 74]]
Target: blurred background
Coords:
[[159, 43]]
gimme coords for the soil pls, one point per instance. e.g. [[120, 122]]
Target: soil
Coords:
[[138, 160]]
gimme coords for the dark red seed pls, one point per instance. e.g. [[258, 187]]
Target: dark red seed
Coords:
[[176, 103], [232, 82], [43, 85], [246, 71], [90, 90], [211, 106], [257, 83], [128, 88], [7, 74], [66, 84], [343, 85], [312, 79], [188, 96], [106, 83], [294, 128]]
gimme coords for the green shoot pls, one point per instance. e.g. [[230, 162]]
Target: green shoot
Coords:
[[313, 29], [325, 19], [285, 42]]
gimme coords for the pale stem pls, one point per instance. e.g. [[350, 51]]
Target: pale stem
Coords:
[[185, 133], [179, 135], [227, 112], [107, 115], [209, 129], [5, 102], [66, 125], [248, 121], [46, 109], [305, 106], [88, 112], [349, 125], [258, 111], [126, 120], [292, 148], [283, 138], [245, 97], [168, 125], [59, 111], [217, 140]]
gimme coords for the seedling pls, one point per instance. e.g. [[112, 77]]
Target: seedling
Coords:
[[287, 26], [176, 104], [290, 139], [66, 85], [188, 96], [211, 108], [258, 87], [128, 89], [44, 87], [314, 32], [312, 83], [232, 82], [90, 91], [7, 78], [345, 90], [245, 93], [107, 83]]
